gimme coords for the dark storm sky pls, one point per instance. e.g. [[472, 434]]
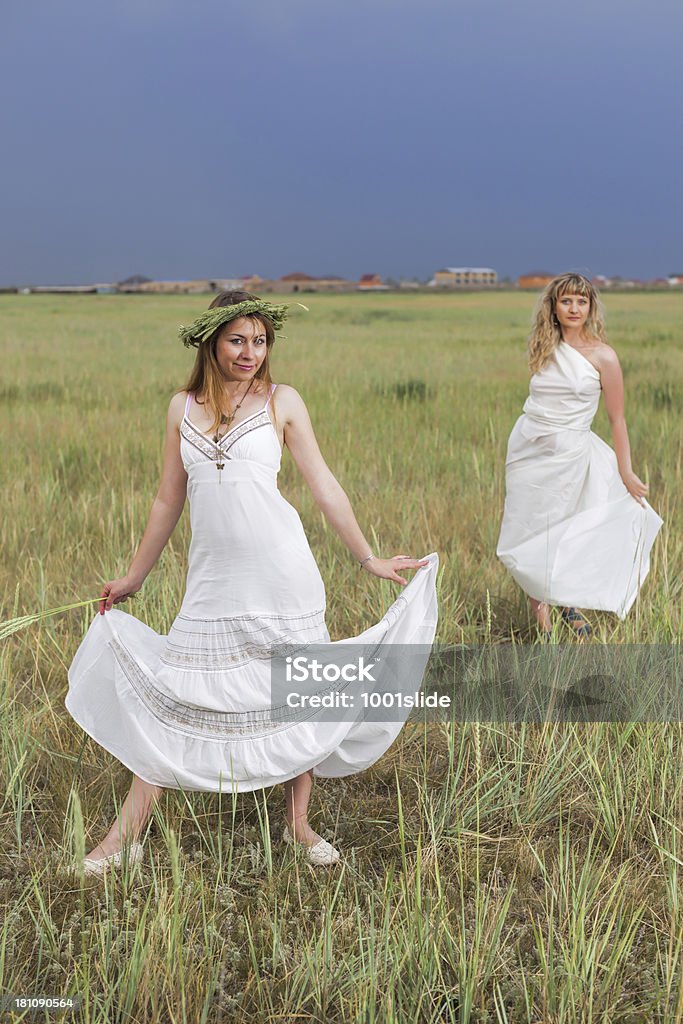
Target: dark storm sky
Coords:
[[333, 136]]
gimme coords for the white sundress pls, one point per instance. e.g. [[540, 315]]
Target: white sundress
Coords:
[[191, 710], [571, 533]]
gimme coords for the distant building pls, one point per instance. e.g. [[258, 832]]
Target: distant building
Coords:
[[371, 282], [166, 287], [135, 279], [252, 282], [197, 286], [296, 282], [675, 280], [600, 281], [464, 277], [332, 283], [248, 283], [299, 282], [535, 279], [622, 282], [62, 289], [227, 284]]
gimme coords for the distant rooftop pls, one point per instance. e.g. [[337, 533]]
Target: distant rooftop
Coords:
[[470, 270], [136, 279]]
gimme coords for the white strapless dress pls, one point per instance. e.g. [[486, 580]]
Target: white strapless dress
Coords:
[[191, 710], [571, 533]]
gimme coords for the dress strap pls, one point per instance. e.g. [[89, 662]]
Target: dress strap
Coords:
[[272, 389], [188, 403]]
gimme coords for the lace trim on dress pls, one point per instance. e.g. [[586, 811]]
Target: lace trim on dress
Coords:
[[209, 447], [191, 720], [197, 440], [262, 419], [221, 644]]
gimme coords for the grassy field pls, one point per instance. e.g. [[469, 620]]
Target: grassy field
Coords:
[[492, 873]]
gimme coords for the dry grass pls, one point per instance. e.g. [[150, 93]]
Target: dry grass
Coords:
[[492, 873]]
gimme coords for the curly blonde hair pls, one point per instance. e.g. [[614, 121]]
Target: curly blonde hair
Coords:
[[546, 333]]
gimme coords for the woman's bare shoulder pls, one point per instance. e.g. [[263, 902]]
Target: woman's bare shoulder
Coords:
[[284, 389], [176, 408], [287, 398], [604, 355]]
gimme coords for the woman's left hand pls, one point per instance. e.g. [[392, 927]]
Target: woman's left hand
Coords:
[[635, 487], [386, 568]]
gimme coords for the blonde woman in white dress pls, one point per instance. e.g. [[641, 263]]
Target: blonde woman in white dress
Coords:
[[577, 528], [191, 710]]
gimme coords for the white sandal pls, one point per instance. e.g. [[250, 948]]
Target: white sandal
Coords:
[[97, 867], [321, 853]]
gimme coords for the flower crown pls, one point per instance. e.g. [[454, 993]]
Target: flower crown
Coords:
[[210, 320]]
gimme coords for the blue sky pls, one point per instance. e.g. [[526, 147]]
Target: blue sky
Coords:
[[216, 139]]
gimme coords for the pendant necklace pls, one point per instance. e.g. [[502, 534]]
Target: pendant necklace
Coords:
[[227, 420]]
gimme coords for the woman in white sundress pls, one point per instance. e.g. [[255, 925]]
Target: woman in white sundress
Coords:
[[191, 710], [577, 529]]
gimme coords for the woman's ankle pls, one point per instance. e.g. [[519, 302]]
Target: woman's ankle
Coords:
[[128, 833], [542, 616], [297, 822], [300, 828]]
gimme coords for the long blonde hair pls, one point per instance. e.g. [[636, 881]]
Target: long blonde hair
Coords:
[[546, 333], [206, 377]]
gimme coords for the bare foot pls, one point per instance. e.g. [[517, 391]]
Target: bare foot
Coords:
[[110, 844], [135, 810]]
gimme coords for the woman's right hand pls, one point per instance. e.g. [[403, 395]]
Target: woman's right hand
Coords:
[[116, 591], [635, 487], [390, 568]]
